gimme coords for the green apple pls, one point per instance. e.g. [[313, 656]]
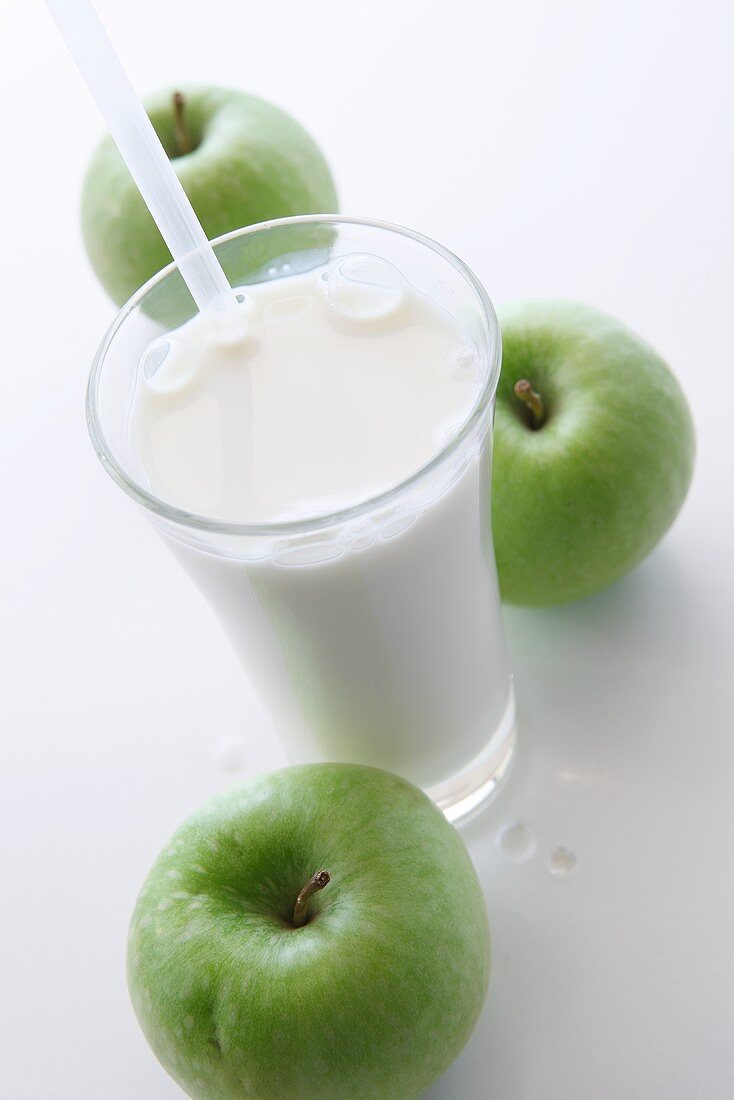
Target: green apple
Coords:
[[593, 452], [240, 159], [317, 932]]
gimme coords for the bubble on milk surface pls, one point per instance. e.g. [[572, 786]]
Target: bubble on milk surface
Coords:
[[361, 538], [249, 305], [155, 357], [466, 363], [445, 430], [397, 524], [362, 289], [284, 311], [168, 365], [308, 552], [277, 270]]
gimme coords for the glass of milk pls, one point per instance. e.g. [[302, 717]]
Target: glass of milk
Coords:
[[323, 474]]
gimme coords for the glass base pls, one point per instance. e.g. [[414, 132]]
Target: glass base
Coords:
[[467, 792]]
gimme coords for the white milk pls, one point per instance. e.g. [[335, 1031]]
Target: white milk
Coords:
[[376, 639]]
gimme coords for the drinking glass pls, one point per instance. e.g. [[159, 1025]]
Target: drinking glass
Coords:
[[374, 633]]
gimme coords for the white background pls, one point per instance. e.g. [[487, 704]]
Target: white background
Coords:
[[580, 149]]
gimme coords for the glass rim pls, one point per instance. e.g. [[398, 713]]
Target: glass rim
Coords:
[[184, 518]]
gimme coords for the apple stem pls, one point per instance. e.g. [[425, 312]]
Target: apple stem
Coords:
[[184, 143], [532, 400], [314, 884]]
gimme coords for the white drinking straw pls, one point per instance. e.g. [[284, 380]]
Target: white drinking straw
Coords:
[[143, 153]]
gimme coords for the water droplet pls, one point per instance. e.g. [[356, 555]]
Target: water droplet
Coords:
[[230, 753], [517, 842], [562, 862]]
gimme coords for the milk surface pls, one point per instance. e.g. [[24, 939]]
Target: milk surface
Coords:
[[378, 640], [344, 382]]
